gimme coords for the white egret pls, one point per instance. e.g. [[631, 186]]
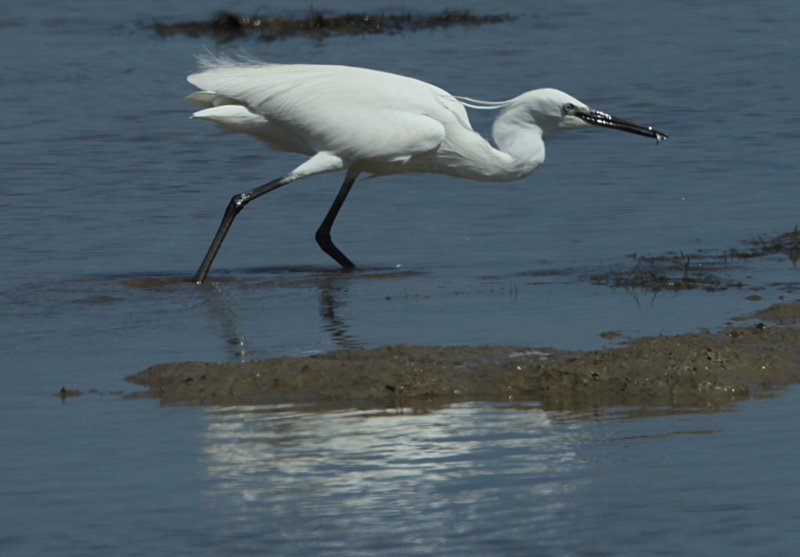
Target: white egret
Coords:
[[367, 121]]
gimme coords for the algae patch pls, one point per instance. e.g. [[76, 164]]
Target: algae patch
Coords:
[[227, 26]]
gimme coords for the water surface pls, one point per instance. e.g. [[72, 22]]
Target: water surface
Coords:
[[105, 179]]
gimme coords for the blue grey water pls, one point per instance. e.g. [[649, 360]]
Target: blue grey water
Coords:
[[105, 178]]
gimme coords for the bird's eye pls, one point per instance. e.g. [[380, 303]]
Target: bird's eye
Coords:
[[569, 107]]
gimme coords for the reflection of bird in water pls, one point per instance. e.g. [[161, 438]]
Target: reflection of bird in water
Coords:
[[330, 302], [361, 120]]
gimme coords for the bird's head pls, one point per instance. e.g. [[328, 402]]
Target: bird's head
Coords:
[[551, 109]]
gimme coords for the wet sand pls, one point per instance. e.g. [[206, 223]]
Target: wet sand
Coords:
[[701, 369], [690, 370]]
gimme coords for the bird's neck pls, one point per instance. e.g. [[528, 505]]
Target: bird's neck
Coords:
[[521, 141], [520, 151]]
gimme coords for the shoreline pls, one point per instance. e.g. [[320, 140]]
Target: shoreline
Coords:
[[699, 369]]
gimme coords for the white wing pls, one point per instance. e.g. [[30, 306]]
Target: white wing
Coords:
[[354, 113]]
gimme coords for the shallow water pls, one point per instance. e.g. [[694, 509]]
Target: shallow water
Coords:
[[106, 180], [469, 479]]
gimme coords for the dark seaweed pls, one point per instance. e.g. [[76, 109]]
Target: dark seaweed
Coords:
[[227, 26]]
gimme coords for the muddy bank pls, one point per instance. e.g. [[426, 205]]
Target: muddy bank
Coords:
[[695, 369]]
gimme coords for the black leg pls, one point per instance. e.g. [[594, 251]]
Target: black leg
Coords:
[[235, 206], [323, 235]]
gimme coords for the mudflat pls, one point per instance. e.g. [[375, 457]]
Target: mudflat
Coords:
[[701, 369]]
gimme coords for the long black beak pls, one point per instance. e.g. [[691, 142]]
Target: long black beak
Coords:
[[597, 118]]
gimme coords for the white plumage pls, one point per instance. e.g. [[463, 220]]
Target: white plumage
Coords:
[[360, 120]]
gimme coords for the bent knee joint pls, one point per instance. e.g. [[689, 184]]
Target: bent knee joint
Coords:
[[238, 201], [323, 237]]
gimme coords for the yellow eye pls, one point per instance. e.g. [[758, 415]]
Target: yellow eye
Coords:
[[569, 107]]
